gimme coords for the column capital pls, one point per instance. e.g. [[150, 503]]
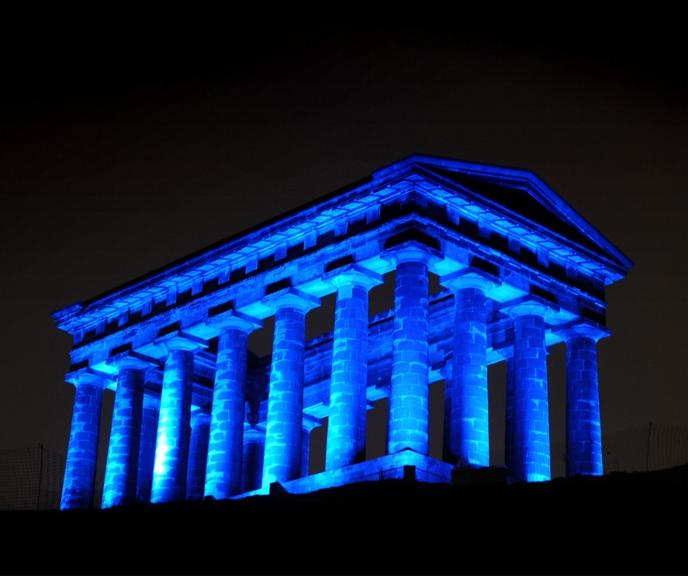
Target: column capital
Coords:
[[290, 298], [131, 362], [529, 307], [86, 377], [229, 320], [585, 330], [470, 278], [353, 275], [411, 251], [179, 340]]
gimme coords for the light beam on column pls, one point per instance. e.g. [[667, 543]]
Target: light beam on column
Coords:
[[172, 446], [121, 470], [149, 432], [283, 433], [198, 455]]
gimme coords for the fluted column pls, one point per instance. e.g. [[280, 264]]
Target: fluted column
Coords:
[[346, 429], [172, 446], [121, 469], [82, 453], [531, 443], [149, 432], [467, 391], [408, 400], [583, 422], [283, 435], [225, 448], [198, 456]]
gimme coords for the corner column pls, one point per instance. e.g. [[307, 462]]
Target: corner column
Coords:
[[223, 477], [283, 433], [408, 399], [82, 454], [467, 391], [530, 449], [121, 469], [172, 445], [583, 422], [346, 430]]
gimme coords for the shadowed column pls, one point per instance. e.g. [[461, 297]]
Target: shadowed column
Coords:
[[254, 443], [408, 400], [346, 428], [467, 391], [531, 445], [283, 433], [82, 454], [198, 456], [172, 446], [509, 414], [583, 423], [149, 433], [119, 487], [225, 448]]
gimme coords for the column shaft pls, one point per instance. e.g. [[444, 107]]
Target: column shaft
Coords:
[[254, 444], [583, 428], [282, 459], [468, 393], [223, 473], [509, 429], [531, 447], [172, 446], [408, 402], [119, 487], [149, 432], [82, 454], [198, 456], [346, 431]]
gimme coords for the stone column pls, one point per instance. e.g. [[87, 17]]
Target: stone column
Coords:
[[254, 444], [121, 469], [149, 432], [408, 399], [225, 448], [467, 391], [283, 434], [82, 454], [346, 429], [509, 429], [583, 423], [531, 446], [172, 446], [198, 456]]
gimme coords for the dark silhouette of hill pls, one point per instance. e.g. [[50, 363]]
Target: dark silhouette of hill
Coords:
[[619, 523]]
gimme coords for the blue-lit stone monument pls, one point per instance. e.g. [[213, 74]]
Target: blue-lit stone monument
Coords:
[[197, 414]]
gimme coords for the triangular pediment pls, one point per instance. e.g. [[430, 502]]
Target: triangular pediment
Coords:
[[515, 192]]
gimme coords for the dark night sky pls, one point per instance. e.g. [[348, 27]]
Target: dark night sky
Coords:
[[118, 155]]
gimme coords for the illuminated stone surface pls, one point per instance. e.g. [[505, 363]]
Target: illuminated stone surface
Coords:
[[520, 271]]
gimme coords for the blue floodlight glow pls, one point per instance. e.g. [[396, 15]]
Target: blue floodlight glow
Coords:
[[519, 271]]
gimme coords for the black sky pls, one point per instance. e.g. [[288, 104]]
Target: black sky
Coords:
[[121, 150]]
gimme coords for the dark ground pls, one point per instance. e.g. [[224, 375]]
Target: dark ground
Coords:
[[620, 523]]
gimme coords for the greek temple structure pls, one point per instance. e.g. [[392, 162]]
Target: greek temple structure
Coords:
[[197, 414]]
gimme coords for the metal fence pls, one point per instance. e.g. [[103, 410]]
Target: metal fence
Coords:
[[30, 478]]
